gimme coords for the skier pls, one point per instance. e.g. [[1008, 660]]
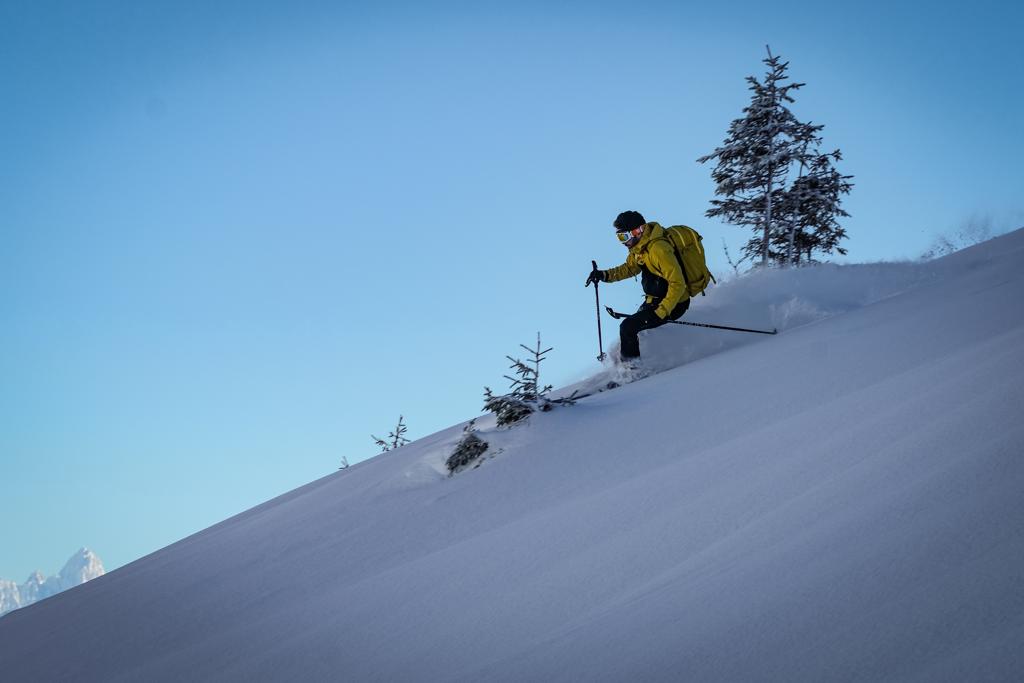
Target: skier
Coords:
[[653, 257]]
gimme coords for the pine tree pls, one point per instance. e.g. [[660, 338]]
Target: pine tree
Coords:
[[469, 448], [753, 170], [396, 438], [821, 208], [526, 395], [814, 204], [755, 159]]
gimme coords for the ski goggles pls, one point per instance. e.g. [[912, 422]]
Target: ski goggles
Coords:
[[627, 235]]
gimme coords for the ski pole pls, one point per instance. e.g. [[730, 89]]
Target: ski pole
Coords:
[[617, 315], [597, 303]]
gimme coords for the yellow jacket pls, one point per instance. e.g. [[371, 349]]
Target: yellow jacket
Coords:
[[654, 257]]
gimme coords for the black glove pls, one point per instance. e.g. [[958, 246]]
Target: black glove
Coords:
[[595, 276]]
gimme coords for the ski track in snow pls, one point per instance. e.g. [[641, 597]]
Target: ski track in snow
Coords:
[[838, 502]]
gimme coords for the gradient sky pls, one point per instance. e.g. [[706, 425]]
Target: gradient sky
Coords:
[[238, 237]]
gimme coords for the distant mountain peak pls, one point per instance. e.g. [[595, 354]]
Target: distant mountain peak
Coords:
[[82, 566]]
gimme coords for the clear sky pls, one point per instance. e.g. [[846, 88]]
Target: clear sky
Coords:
[[238, 237]]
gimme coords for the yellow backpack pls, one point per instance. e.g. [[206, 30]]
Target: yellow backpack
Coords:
[[690, 252]]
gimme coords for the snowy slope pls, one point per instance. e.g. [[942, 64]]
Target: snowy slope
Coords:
[[840, 502]]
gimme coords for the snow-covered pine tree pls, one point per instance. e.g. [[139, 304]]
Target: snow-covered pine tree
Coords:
[[469, 448], [396, 438], [814, 204], [820, 212], [754, 160], [526, 393]]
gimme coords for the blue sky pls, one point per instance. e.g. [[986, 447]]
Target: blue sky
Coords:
[[237, 238]]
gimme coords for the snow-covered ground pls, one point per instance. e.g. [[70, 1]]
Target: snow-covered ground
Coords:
[[843, 501]]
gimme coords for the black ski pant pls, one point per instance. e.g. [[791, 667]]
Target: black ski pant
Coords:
[[644, 319]]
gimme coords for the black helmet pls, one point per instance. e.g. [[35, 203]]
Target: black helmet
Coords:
[[627, 220]]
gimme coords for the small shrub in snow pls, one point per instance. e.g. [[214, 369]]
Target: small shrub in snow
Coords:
[[469, 448], [395, 440], [507, 408], [526, 395]]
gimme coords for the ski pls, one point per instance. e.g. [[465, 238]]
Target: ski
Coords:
[[575, 397], [617, 315]]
